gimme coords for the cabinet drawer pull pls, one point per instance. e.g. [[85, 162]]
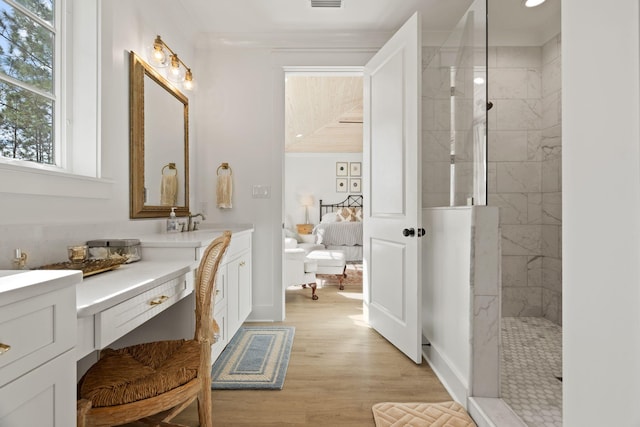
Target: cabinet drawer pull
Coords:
[[242, 263], [4, 348], [158, 300]]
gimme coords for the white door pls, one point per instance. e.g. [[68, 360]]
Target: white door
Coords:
[[392, 190]]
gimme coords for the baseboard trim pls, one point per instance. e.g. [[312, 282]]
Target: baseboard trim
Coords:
[[447, 376]]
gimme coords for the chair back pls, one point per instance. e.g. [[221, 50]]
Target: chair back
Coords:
[[206, 284]]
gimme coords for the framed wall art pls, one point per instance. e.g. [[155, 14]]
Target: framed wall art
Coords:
[[341, 185], [342, 169], [355, 169], [354, 185]]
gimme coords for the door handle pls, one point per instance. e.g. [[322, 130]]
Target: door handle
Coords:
[[421, 232], [409, 232]]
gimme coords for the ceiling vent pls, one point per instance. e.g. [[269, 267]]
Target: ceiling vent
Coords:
[[326, 3]]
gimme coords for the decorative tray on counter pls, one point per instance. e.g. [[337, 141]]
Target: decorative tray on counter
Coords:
[[88, 267]]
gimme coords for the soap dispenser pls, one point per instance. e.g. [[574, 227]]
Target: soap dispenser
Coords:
[[172, 222]]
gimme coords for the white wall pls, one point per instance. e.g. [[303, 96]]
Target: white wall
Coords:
[[601, 213], [315, 175]]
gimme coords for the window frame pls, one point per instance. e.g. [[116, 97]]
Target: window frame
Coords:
[[77, 172]]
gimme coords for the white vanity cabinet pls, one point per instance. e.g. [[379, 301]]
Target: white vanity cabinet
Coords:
[[239, 301], [233, 291], [37, 339], [233, 297]]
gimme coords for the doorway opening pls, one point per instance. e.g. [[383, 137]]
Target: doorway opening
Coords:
[[322, 166]]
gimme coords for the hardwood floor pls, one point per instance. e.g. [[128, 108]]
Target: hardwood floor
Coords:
[[339, 368]]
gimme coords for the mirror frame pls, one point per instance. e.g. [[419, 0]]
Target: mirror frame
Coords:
[[138, 70]]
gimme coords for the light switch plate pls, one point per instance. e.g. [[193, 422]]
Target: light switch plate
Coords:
[[261, 192]]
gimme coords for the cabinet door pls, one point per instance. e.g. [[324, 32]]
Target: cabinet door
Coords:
[[223, 339], [244, 287], [37, 329], [238, 291], [222, 282], [44, 397]]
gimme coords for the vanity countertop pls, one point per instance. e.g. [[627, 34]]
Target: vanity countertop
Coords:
[[188, 239], [99, 292], [18, 284]]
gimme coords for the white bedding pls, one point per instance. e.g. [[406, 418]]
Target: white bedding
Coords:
[[339, 233], [344, 236]]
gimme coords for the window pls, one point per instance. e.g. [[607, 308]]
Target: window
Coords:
[[63, 107], [29, 81]]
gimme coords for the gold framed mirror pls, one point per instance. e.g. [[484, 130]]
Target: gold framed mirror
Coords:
[[159, 144]]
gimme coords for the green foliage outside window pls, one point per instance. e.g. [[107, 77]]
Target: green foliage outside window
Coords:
[[27, 80]]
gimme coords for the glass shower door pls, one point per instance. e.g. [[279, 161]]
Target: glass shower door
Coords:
[[454, 100]]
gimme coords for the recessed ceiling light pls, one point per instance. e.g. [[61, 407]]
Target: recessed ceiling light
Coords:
[[533, 3]]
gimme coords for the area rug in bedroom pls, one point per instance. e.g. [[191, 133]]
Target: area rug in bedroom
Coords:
[[256, 358], [354, 277]]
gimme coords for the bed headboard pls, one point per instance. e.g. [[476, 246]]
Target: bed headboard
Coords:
[[354, 200]]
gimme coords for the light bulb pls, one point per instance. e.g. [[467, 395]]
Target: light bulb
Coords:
[[157, 54], [175, 72], [188, 80]]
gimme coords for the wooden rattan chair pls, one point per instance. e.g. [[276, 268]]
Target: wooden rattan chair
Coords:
[[154, 382]]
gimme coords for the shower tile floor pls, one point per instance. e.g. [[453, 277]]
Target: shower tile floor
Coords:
[[531, 361]]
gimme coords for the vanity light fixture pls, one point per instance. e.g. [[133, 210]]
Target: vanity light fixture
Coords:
[[178, 71], [532, 3]]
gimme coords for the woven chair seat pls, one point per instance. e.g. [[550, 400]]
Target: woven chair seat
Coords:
[[140, 372]]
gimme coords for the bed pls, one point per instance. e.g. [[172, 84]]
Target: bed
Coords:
[[340, 227]]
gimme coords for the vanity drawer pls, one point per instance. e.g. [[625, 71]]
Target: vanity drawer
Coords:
[[35, 330], [118, 320]]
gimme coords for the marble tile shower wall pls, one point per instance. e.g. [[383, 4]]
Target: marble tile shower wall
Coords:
[[524, 175], [551, 245]]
